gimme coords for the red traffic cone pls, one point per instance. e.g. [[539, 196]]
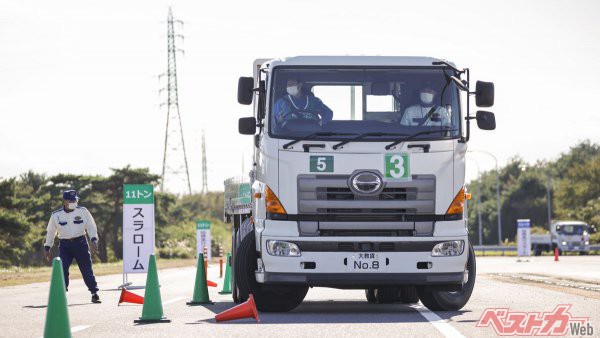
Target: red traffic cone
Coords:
[[211, 283], [130, 297], [556, 254], [244, 310]]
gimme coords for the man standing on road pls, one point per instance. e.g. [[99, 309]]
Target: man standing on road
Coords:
[[71, 222]]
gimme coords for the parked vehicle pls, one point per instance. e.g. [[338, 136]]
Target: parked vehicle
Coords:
[[567, 236]]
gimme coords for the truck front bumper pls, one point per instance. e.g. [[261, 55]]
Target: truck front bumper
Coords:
[[321, 263]]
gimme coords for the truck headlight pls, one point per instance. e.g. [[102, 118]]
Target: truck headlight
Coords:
[[450, 248], [587, 242], [281, 248], [563, 243]]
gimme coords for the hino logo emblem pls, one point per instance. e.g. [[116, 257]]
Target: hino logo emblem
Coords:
[[366, 183]]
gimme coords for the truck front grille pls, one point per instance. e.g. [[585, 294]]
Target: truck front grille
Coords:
[[331, 195]]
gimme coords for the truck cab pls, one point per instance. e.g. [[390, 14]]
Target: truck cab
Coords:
[[357, 180]]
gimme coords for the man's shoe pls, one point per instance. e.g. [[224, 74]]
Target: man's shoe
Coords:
[[95, 298]]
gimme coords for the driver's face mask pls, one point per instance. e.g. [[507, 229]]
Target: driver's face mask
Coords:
[[426, 98], [293, 90]]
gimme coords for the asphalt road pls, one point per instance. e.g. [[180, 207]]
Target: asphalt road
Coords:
[[501, 283]]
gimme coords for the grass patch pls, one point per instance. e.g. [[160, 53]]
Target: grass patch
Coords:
[[18, 276]]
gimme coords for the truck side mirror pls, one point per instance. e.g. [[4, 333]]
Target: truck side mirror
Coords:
[[245, 90], [484, 94], [247, 125], [486, 120]]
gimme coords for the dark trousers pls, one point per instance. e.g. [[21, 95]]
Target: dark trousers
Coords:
[[79, 250]]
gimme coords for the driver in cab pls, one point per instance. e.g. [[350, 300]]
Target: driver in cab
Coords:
[[295, 104], [426, 113]]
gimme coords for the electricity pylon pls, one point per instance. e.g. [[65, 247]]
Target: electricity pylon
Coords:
[[175, 170]]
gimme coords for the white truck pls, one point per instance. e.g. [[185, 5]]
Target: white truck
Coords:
[[357, 180], [566, 236]]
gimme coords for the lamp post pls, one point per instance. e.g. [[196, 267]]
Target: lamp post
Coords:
[[497, 192], [479, 224]]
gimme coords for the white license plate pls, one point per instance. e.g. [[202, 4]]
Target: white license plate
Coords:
[[576, 248], [366, 262]]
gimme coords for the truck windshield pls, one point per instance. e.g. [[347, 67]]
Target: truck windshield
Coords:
[[378, 102], [572, 229]]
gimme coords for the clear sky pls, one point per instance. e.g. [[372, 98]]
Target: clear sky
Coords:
[[79, 86]]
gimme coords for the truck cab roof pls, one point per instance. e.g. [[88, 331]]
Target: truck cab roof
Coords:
[[348, 60]]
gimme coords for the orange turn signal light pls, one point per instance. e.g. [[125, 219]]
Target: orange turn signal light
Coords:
[[468, 196], [273, 204], [458, 204]]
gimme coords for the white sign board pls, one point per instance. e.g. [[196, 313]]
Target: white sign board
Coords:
[[138, 227], [524, 237], [203, 238]]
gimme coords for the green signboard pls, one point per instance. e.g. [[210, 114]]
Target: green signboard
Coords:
[[138, 194], [397, 166], [321, 164], [203, 225]]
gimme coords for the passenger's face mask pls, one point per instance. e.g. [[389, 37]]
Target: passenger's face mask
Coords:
[[72, 205], [293, 90], [426, 98]]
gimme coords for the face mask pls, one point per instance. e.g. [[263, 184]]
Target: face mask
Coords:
[[72, 205], [426, 98], [293, 90]]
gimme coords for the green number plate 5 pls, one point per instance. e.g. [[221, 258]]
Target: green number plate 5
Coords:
[[321, 164]]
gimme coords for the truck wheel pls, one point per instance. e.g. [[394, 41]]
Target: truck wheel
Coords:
[[370, 293], [538, 250], [271, 298], [235, 294], [386, 295], [451, 300], [408, 294]]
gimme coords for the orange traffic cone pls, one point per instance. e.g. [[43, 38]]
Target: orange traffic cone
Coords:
[[244, 310], [211, 283], [130, 297], [556, 254]]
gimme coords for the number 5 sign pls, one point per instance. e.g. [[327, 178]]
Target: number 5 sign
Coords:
[[397, 166], [321, 164]]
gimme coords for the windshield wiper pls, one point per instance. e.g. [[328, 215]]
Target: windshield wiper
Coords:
[[408, 138], [362, 136], [313, 135]]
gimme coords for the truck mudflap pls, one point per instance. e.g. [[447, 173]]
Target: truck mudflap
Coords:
[[360, 280]]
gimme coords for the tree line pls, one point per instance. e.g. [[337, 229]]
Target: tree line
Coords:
[[27, 201], [572, 182]]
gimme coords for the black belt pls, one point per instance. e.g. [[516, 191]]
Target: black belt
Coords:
[[73, 239]]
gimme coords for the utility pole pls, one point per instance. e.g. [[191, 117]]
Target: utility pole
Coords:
[[499, 218], [204, 170], [175, 165]]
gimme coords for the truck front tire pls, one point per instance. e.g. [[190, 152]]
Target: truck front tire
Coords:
[[451, 300], [268, 298]]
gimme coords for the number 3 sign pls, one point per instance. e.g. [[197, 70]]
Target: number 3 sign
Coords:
[[397, 166]]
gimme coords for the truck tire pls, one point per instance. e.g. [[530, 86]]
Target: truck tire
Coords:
[[451, 300], [235, 294], [538, 250], [408, 294], [386, 294], [370, 293], [275, 298]]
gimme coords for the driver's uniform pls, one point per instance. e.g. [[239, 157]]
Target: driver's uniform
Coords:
[[289, 107], [413, 116]]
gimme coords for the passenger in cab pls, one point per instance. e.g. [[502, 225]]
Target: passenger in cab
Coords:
[[297, 104]]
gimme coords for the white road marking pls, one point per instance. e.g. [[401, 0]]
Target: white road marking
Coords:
[[441, 325], [173, 300], [77, 328]]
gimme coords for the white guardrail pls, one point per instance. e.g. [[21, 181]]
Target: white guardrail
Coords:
[[503, 249]]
